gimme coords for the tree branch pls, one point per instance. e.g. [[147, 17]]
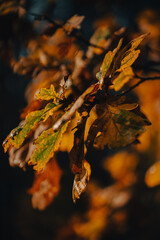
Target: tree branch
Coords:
[[142, 79]]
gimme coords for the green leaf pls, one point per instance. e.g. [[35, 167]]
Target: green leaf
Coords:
[[18, 135], [48, 94], [116, 127], [47, 143], [122, 78]]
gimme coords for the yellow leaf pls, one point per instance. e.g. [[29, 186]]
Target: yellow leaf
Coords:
[[122, 78], [47, 144]]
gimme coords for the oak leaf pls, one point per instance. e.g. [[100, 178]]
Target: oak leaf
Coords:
[[18, 135], [46, 185], [116, 127], [48, 94], [47, 144]]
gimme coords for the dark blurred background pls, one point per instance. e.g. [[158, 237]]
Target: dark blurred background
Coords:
[[18, 219]]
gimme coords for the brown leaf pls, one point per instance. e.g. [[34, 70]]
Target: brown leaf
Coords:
[[73, 23], [116, 127], [77, 151], [46, 185], [81, 180]]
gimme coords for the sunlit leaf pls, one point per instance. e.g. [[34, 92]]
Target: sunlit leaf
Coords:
[[47, 143], [122, 78], [129, 59], [108, 59], [48, 94], [80, 181], [18, 135]]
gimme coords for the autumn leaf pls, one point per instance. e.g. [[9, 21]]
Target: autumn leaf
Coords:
[[48, 94], [128, 60], [128, 55], [80, 181], [46, 185], [47, 144], [18, 135], [108, 59], [77, 151], [122, 78], [73, 23], [116, 127]]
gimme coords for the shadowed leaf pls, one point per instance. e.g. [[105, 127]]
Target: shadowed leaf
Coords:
[[77, 151], [116, 127]]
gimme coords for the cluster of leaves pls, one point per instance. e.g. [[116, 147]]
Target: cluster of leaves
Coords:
[[117, 122]]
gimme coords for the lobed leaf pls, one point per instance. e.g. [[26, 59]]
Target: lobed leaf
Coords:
[[116, 127], [47, 143], [108, 59], [18, 135], [48, 94], [46, 185]]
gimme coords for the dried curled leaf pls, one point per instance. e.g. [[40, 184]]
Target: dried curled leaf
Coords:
[[116, 127], [80, 181], [47, 143], [48, 94], [18, 135], [77, 151], [46, 185]]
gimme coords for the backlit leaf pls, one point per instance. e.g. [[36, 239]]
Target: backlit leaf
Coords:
[[18, 135], [108, 59], [129, 60], [47, 143], [122, 78], [48, 94]]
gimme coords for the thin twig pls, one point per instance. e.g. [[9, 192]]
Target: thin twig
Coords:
[[42, 17], [142, 79], [78, 103]]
